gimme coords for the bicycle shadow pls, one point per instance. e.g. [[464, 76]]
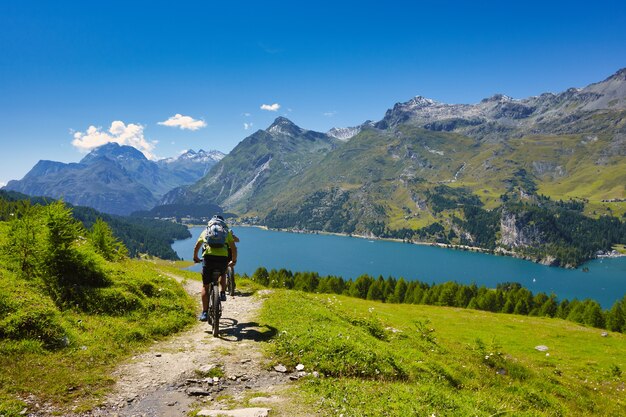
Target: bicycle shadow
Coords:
[[239, 293], [233, 331]]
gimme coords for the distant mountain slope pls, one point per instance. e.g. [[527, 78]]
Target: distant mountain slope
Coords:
[[257, 169], [114, 179], [140, 236], [439, 172]]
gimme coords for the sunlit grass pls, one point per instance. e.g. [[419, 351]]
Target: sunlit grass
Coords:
[[389, 359], [76, 373]]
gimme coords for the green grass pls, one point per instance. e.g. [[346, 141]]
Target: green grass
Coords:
[[74, 370], [384, 359]]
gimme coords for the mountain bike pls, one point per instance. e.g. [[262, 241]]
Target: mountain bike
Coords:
[[230, 281], [215, 304]]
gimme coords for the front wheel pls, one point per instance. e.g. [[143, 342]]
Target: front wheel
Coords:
[[215, 311], [230, 281]]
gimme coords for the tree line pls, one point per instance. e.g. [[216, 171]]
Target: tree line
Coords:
[[139, 235], [507, 297]]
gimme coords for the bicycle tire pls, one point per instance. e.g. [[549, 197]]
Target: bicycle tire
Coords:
[[230, 281], [210, 305], [215, 311]]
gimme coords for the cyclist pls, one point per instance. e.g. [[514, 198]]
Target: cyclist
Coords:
[[230, 257], [214, 258]]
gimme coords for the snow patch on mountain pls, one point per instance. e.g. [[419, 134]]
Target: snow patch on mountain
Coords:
[[344, 133]]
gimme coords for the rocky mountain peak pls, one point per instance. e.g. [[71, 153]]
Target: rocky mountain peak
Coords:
[[620, 75], [497, 98], [201, 156], [114, 151], [344, 133], [419, 102], [284, 126]]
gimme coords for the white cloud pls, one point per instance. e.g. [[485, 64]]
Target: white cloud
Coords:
[[2, 184], [270, 107], [131, 135], [247, 126], [184, 122], [247, 114], [330, 113]]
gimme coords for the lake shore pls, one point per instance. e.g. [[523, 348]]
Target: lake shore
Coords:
[[499, 251]]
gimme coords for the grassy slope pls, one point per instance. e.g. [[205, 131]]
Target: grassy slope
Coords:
[[77, 375], [443, 361], [587, 165]]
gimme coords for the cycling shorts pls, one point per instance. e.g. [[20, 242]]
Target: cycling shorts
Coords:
[[211, 263]]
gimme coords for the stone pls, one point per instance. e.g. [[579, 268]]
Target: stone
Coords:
[[205, 369], [541, 348], [241, 412], [280, 368], [198, 392], [299, 367], [265, 400]]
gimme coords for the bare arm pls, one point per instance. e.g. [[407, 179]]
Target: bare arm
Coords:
[[233, 251], [195, 251]]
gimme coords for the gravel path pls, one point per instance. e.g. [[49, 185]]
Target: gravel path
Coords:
[[175, 376]]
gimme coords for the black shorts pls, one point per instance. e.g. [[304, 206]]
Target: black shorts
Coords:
[[211, 263]]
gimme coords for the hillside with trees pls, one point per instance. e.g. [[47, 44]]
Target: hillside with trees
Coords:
[[139, 235]]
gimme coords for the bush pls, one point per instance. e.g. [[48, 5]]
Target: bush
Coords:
[[26, 314], [105, 243]]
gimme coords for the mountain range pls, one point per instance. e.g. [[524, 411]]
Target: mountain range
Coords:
[[115, 179], [450, 173], [412, 173]]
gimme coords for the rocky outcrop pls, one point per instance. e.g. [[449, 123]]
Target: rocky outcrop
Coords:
[[518, 232]]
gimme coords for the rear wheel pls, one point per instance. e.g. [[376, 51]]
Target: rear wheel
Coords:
[[215, 311], [230, 281]]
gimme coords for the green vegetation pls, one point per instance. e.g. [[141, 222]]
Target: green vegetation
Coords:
[[140, 236], [509, 297], [72, 305], [557, 230], [447, 181], [396, 360]]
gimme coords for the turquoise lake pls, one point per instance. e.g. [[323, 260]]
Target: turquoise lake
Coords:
[[350, 257]]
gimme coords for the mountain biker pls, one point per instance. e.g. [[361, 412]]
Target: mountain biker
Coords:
[[214, 258], [230, 257]]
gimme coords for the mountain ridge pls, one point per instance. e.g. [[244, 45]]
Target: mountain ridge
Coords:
[[415, 173], [114, 178]]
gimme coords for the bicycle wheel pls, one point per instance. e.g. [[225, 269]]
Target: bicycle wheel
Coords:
[[215, 311], [230, 281], [210, 309]]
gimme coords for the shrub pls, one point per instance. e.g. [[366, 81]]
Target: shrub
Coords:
[[105, 243], [26, 314]]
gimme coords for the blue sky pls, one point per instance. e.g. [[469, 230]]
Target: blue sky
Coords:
[[74, 74]]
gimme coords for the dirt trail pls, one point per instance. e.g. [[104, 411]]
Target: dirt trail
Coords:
[[174, 376]]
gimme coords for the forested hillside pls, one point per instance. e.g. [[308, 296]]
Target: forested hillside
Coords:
[[140, 236]]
